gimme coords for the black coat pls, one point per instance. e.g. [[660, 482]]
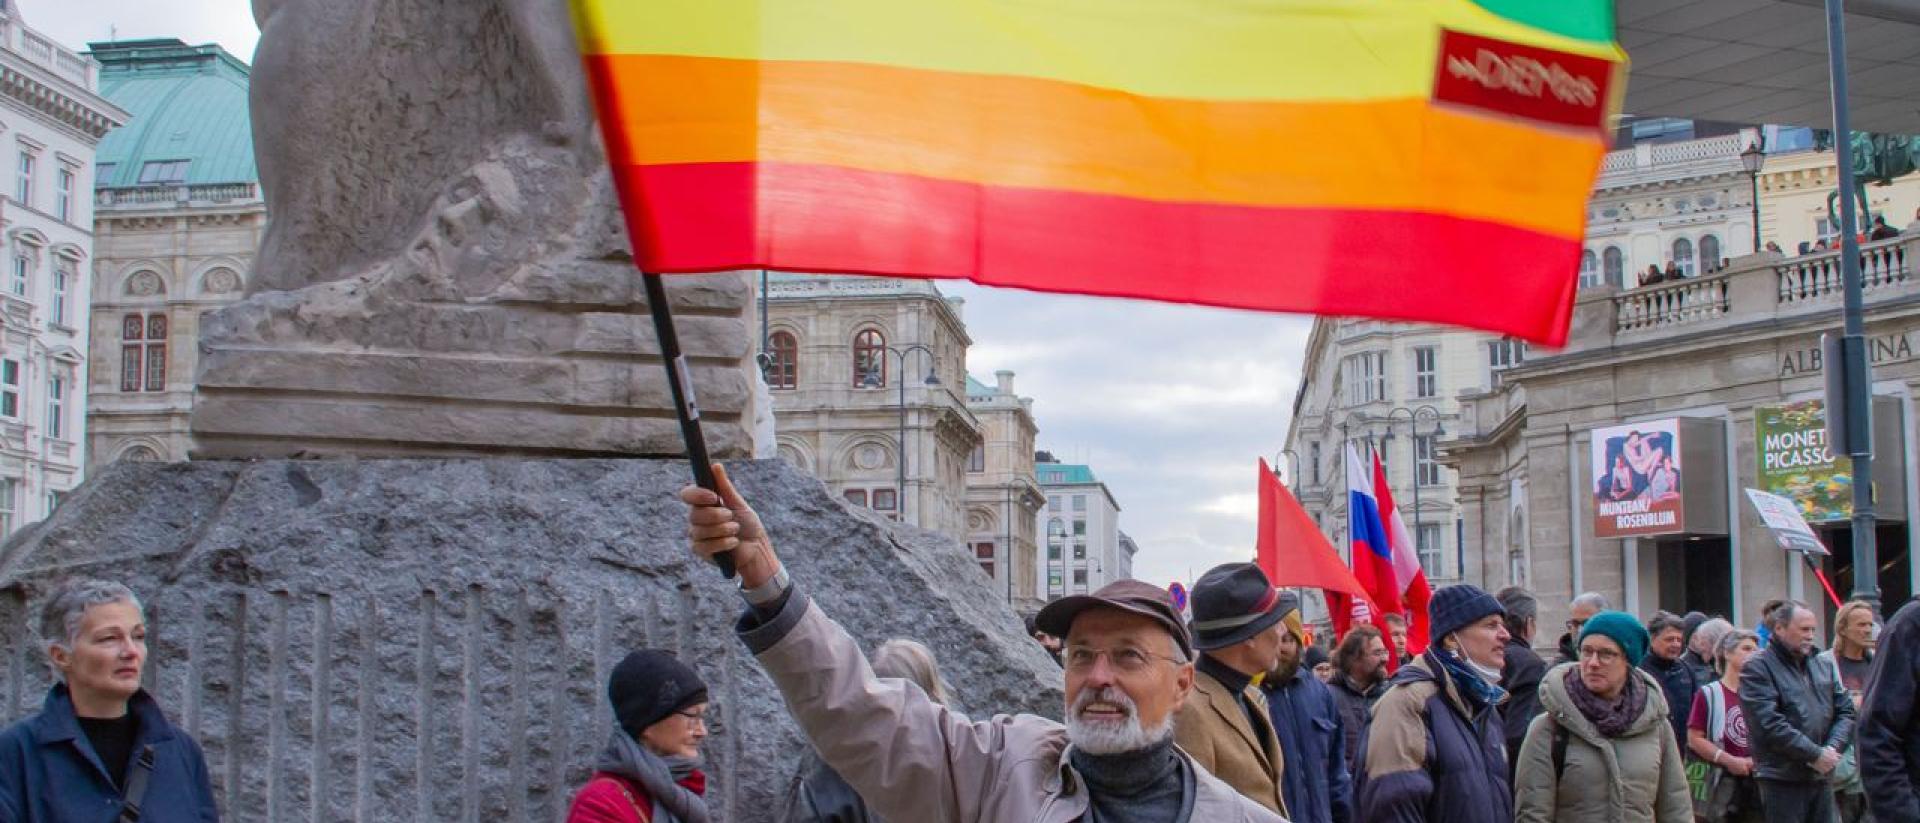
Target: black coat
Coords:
[[1521, 679], [1678, 683], [1316, 784], [1794, 706], [1356, 713], [1889, 754], [823, 796]]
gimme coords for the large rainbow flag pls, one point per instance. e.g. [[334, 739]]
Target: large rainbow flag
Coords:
[[1411, 159]]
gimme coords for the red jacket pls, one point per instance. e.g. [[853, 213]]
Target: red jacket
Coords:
[[609, 798]]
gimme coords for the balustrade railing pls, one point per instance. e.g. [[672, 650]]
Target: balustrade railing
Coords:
[[1813, 277], [1670, 304], [168, 195]]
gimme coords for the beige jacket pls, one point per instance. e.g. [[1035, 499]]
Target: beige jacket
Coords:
[[1638, 777], [915, 760], [1213, 730]]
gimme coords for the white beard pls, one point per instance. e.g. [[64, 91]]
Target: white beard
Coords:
[[1112, 736]]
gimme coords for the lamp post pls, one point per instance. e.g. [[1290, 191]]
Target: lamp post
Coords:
[[1413, 426], [1751, 159], [872, 381]]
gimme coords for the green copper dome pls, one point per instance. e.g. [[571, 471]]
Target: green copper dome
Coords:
[[190, 124]]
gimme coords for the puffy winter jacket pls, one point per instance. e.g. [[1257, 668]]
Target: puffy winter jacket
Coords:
[[1794, 706], [1638, 777], [1306, 722], [49, 772], [1427, 757], [1890, 721]]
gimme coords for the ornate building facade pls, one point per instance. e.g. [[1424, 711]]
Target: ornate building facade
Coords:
[[1085, 548], [1003, 496], [52, 118], [178, 215]]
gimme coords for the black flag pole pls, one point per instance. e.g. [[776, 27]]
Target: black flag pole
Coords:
[[680, 381]]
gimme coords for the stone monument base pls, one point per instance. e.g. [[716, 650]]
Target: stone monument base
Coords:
[[428, 640]]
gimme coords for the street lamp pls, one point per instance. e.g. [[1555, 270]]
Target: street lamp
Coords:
[[1413, 425], [872, 381], [1751, 159]]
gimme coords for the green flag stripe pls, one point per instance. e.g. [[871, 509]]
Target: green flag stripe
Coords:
[[1582, 19]]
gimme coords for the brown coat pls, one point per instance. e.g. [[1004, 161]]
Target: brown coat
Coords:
[[1212, 728]]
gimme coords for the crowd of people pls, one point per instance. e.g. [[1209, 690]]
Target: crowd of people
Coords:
[[1231, 714], [1877, 229]]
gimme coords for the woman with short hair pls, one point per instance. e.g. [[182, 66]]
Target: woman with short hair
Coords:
[[1717, 735], [1602, 749], [650, 771], [99, 741]]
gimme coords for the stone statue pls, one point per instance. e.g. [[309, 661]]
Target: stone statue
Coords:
[[446, 271]]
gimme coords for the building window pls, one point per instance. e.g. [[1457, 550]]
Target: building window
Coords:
[[857, 497], [886, 500], [1056, 538], [56, 407], [103, 175], [1080, 578], [1079, 528], [1506, 352], [63, 195], [22, 273], [1613, 265], [1053, 503], [9, 487], [1710, 253], [1426, 471], [1079, 550], [1827, 230], [977, 459], [1313, 462], [1363, 377], [1426, 378], [163, 172], [62, 281], [984, 553], [23, 182], [1683, 256], [143, 352], [1079, 502], [783, 369], [10, 389], [1589, 269], [869, 360], [1053, 582], [1432, 551]]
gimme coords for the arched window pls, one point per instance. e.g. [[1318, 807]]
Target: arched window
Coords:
[[1589, 270], [1710, 253], [1614, 266], [783, 369], [1683, 255], [869, 360], [143, 352]]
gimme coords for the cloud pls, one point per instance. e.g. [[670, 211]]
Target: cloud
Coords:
[[1171, 405], [75, 24]]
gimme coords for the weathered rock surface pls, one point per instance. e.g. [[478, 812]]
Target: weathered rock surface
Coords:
[[428, 639], [446, 272]]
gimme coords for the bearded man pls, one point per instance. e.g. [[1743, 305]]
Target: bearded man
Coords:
[[1127, 663]]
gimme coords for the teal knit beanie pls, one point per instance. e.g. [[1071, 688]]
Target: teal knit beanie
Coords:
[[1621, 628]]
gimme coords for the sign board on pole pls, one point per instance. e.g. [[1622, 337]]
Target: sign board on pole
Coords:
[[1782, 517], [1636, 480], [1798, 460], [1178, 591]]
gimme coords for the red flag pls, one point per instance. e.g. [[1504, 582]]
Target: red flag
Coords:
[[1410, 581], [1293, 552]]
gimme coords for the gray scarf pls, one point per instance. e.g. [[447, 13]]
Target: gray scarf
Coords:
[[657, 776]]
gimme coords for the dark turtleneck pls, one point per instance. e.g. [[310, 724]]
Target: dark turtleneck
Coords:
[[1151, 785], [1237, 683]]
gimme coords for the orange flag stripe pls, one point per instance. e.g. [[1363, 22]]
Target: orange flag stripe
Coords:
[[1013, 132]]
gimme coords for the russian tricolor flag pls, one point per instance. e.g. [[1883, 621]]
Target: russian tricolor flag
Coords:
[[1383, 558]]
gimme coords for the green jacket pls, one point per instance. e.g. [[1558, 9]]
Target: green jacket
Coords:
[[1636, 777]]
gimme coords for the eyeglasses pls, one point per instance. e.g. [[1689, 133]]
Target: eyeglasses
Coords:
[[1126, 659], [1602, 655], [698, 718]]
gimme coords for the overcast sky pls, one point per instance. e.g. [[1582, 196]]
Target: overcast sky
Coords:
[[1171, 405]]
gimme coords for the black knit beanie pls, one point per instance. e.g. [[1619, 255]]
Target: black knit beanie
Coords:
[[649, 685]]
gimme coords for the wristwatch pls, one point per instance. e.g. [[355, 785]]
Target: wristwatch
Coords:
[[769, 592]]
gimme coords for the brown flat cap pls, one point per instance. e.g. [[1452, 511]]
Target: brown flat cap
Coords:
[[1144, 599]]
